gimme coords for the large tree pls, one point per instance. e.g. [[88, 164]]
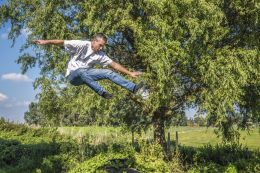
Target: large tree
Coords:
[[193, 52]]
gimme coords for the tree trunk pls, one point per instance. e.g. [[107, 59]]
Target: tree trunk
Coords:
[[158, 124]]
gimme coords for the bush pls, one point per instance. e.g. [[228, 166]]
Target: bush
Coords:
[[58, 163], [23, 149], [123, 157], [221, 158], [118, 158]]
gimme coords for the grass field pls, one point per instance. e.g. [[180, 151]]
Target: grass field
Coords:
[[188, 136]]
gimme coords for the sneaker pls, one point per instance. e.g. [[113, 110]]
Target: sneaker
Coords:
[[107, 95], [141, 90], [138, 86]]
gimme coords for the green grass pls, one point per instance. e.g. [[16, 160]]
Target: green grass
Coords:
[[188, 136], [96, 134], [195, 136], [199, 136], [252, 140]]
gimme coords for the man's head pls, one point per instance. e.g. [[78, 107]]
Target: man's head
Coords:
[[98, 42]]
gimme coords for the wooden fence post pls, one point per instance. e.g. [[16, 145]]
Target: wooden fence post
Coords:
[[82, 147], [133, 137], [177, 141], [169, 142]]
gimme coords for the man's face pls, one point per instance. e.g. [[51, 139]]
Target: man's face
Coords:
[[97, 44]]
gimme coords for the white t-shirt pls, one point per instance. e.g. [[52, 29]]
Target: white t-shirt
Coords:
[[82, 56]]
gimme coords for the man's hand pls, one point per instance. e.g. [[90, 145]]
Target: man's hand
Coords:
[[135, 74], [40, 42]]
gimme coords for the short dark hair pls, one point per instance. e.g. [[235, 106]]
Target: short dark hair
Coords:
[[100, 35]]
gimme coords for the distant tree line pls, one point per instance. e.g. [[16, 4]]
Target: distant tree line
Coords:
[[34, 117]]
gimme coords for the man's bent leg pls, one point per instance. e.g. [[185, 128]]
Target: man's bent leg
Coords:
[[99, 74], [90, 81]]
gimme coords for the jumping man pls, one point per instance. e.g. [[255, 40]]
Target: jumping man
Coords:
[[84, 55]]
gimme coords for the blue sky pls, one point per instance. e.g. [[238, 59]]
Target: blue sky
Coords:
[[16, 90]]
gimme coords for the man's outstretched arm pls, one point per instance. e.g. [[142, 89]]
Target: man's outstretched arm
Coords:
[[43, 42], [122, 69]]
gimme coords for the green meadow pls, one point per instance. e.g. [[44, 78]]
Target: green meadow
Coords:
[[188, 136]]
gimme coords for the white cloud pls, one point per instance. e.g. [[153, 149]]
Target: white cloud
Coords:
[[3, 97], [16, 77], [4, 36], [23, 103], [17, 104]]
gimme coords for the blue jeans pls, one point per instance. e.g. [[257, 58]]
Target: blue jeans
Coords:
[[90, 76]]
